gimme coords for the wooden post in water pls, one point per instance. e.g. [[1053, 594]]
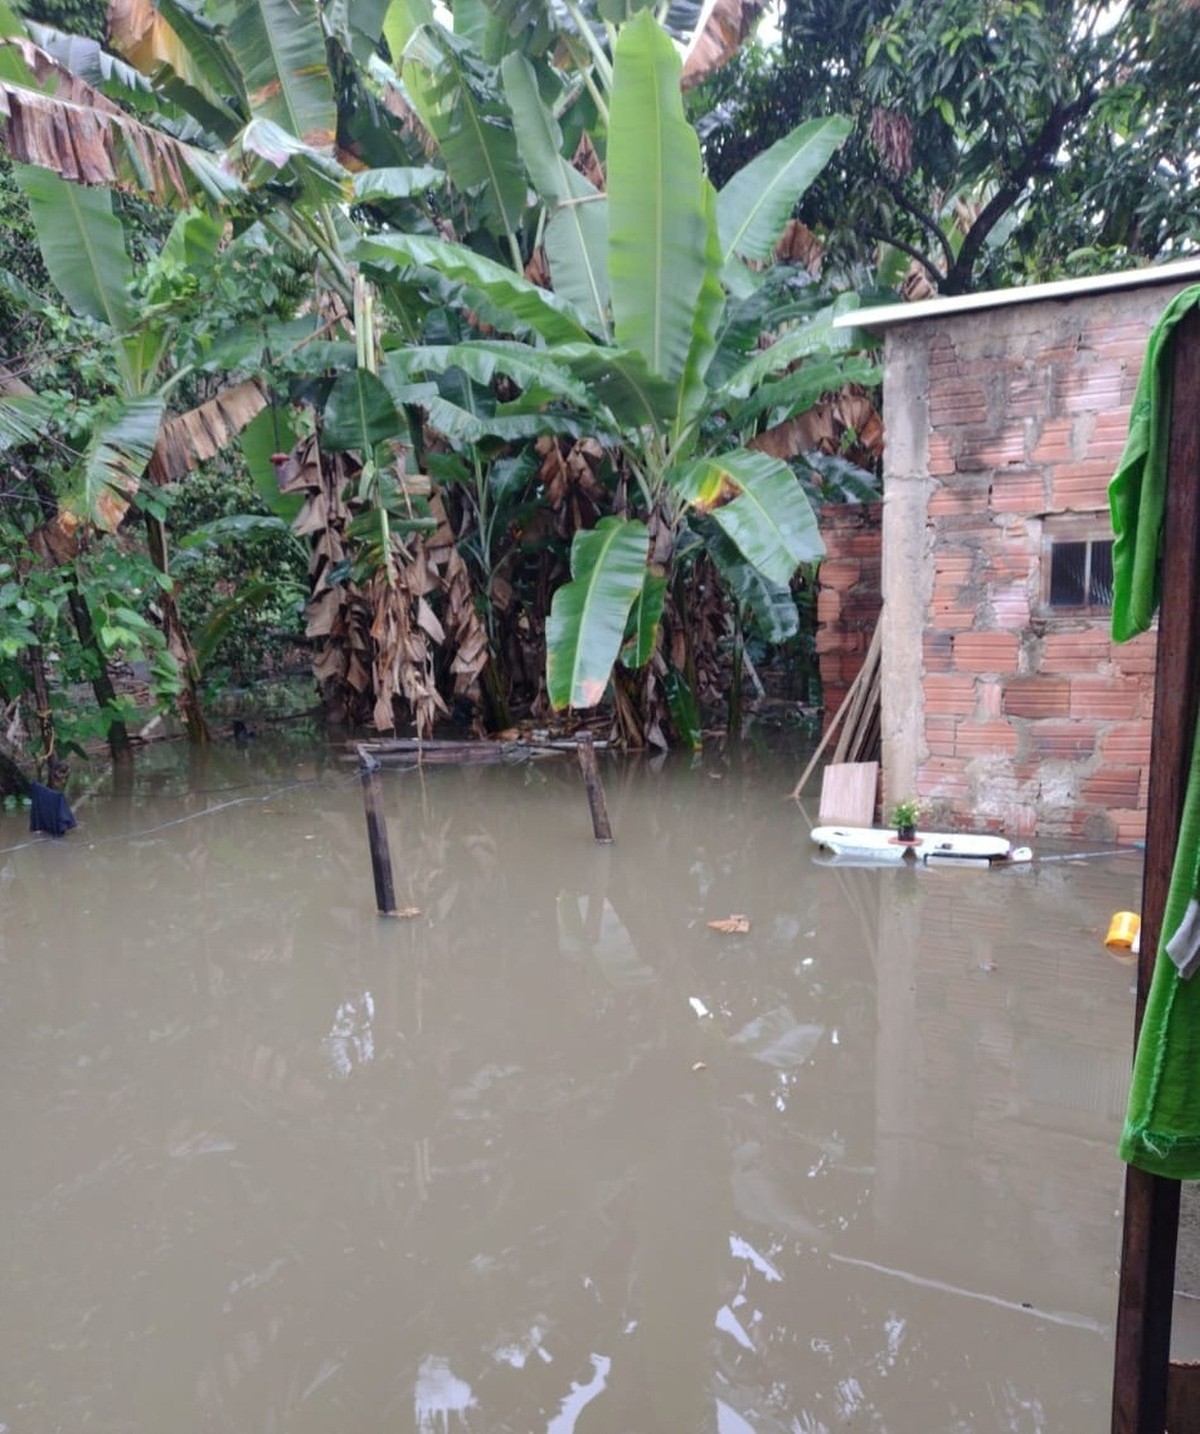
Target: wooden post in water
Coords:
[[377, 839], [595, 790], [1146, 1291]]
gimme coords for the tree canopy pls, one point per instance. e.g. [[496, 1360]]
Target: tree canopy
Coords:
[[995, 141]]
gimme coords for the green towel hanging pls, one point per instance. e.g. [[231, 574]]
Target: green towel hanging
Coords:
[[1162, 1123]]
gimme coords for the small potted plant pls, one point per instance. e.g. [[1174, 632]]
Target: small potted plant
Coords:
[[904, 819]]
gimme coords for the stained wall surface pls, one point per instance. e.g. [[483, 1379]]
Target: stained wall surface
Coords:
[[1002, 709]]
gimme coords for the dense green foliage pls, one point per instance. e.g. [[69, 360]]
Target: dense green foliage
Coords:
[[994, 142], [537, 394]]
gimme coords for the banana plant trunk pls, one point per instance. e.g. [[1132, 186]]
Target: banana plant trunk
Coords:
[[188, 702]]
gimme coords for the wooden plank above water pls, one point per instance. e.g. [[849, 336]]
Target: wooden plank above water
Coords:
[[848, 794]]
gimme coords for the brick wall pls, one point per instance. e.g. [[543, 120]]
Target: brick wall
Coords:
[[1034, 721], [848, 595]]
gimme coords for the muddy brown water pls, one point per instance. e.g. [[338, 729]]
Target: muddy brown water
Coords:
[[272, 1164]]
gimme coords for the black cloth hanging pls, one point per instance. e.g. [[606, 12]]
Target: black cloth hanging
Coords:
[[49, 811]]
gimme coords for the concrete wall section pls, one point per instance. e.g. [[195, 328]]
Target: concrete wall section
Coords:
[[907, 560]]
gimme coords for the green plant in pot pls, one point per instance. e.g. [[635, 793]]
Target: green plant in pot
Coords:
[[904, 819]]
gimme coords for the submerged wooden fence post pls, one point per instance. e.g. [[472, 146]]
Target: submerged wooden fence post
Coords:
[[377, 839], [1143, 1334], [595, 790]]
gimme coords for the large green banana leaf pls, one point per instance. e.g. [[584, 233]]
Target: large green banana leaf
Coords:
[[816, 335], [510, 293], [23, 419], [465, 426], [193, 242], [621, 382], [279, 47], [114, 460], [588, 614], [481, 29], [459, 105], [758, 502], [533, 369], [757, 202], [401, 22], [263, 149], [82, 244], [796, 392], [357, 25], [642, 627], [658, 228], [694, 393], [576, 235], [359, 413], [396, 182], [767, 609]]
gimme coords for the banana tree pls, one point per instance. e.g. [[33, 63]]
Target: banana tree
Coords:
[[649, 336]]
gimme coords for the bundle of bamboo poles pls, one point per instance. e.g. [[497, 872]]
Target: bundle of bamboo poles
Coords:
[[857, 717]]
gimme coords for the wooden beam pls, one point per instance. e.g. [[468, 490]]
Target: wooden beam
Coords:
[[377, 837], [601, 827], [1143, 1336]]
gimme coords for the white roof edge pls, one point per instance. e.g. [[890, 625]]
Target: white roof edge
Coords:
[[888, 315]]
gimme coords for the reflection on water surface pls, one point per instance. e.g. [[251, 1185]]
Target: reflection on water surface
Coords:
[[273, 1164]]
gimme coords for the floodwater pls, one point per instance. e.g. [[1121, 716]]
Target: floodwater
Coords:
[[552, 1154]]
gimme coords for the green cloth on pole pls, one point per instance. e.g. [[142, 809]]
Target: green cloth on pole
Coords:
[[1162, 1122]]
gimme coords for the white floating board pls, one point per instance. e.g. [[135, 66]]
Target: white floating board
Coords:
[[884, 845]]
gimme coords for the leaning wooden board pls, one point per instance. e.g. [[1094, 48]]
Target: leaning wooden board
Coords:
[[885, 845]]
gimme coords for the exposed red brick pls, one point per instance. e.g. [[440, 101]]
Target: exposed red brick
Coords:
[[1028, 395], [1081, 487], [937, 652], [1063, 739], [986, 652], [1081, 651], [1000, 451], [1055, 443], [1109, 433], [1131, 825], [829, 605], [1137, 656], [944, 778], [1010, 608], [861, 544], [1018, 491], [841, 573], [988, 691], [953, 615], [1106, 698], [1092, 388], [941, 459], [1037, 697], [985, 739], [957, 399], [1010, 561], [958, 496], [949, 696], [1113, 787], [1126, 744], [939, 735]]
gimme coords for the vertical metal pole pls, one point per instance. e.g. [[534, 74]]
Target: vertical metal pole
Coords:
[[377, 838], [1143, 1336], [595, 790]]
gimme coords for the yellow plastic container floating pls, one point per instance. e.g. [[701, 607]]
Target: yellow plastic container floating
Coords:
[[1124, 931]]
